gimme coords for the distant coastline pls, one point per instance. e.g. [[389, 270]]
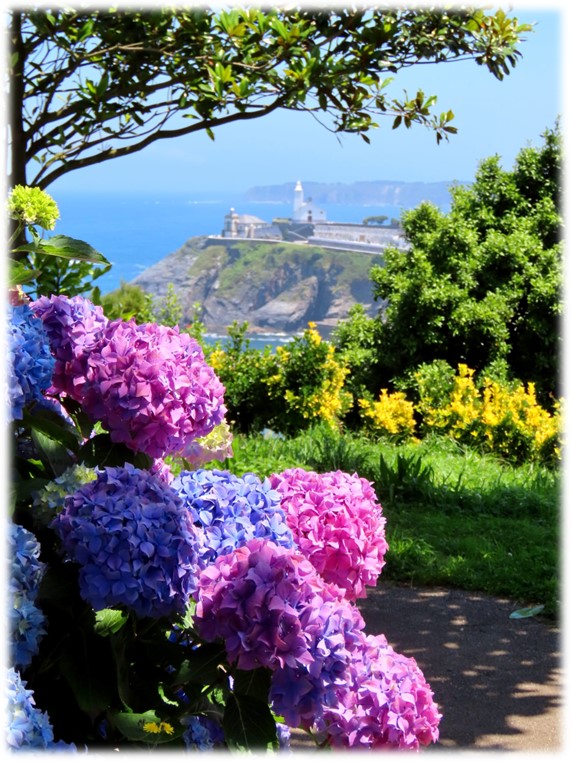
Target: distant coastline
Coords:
[[372, 193]]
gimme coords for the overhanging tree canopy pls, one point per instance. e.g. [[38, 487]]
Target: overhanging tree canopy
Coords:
[[88, 87]]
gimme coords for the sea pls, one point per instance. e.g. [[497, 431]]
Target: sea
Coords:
[[135, 230]]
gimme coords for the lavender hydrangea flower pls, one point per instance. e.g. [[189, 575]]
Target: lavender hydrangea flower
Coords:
[[26, 620], [333, 627], [31, 363], [74, 327], [273, 610], [231, 510], [134, 540]]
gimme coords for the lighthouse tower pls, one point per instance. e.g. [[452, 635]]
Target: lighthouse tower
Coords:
[[297, 199]]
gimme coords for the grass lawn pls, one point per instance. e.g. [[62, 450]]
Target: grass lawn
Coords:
[[454, 517]]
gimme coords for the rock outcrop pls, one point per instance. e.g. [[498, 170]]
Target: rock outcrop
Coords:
[[273, 286]]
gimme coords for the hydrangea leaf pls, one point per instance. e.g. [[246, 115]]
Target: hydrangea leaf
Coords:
[[67, 248], [109, 621], [249, 724]]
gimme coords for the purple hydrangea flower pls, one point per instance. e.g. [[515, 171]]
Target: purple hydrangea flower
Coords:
[[273, 610], [134, 540], [337, 523], [31, 363], [333, 627], [231, 510], [151, 388], [384, 703], [74, 327], [26, 620], [28, 728]]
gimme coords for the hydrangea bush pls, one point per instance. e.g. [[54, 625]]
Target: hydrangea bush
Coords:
[[156, 603]]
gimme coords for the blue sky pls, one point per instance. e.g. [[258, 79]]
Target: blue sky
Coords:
[[493, 117]]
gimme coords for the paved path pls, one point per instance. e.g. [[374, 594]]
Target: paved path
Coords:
[[498, 681]]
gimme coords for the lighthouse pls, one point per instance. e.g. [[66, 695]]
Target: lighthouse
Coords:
[[297, 199], [305, 211]]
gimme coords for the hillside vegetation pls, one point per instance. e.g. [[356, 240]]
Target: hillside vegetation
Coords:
[[274, 286]]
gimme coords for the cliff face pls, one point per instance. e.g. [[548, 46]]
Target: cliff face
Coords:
[[274, 287]]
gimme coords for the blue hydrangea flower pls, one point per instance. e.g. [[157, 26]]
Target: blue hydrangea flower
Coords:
[[231, 510], [31, 363], [26, 620], [134, 540], [202, 733], [27, 726]]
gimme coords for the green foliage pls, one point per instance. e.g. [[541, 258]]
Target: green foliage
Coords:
[[482, 284], [357, 341], [169, 310], [244, 372], [114, 81], [127, 302]]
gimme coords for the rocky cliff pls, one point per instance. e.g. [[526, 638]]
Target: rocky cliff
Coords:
[[275, 287]]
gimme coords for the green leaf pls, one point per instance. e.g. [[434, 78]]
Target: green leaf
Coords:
[[248, 723], [109, 621], [100, 450], [20, 274], [202, 666], [66, 247], [533, 610], [54, 427], [132, 726], [254, 683]]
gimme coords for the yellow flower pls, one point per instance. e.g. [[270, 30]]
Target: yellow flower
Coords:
[[156, 729]]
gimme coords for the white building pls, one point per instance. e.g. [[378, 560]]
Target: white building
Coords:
[[305, 211], [248, 226]]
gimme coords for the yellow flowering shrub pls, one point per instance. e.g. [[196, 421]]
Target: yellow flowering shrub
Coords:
[[308, 385], [505, 419], [391, 415]]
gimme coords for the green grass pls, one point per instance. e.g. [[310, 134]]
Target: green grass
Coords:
[[454, 517]]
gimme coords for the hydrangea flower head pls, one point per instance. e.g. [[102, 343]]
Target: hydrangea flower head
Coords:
[[134, 540], [26, 620], [337, 523], [231, 510], [385, 703], [151, 388], [31, 363], [27, 726], [273, 610], [252, 599], [33, 206], [74, 327]]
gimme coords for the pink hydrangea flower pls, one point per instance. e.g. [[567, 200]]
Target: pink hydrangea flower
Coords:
[[337, 524], [385, 702], [151, 388]]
